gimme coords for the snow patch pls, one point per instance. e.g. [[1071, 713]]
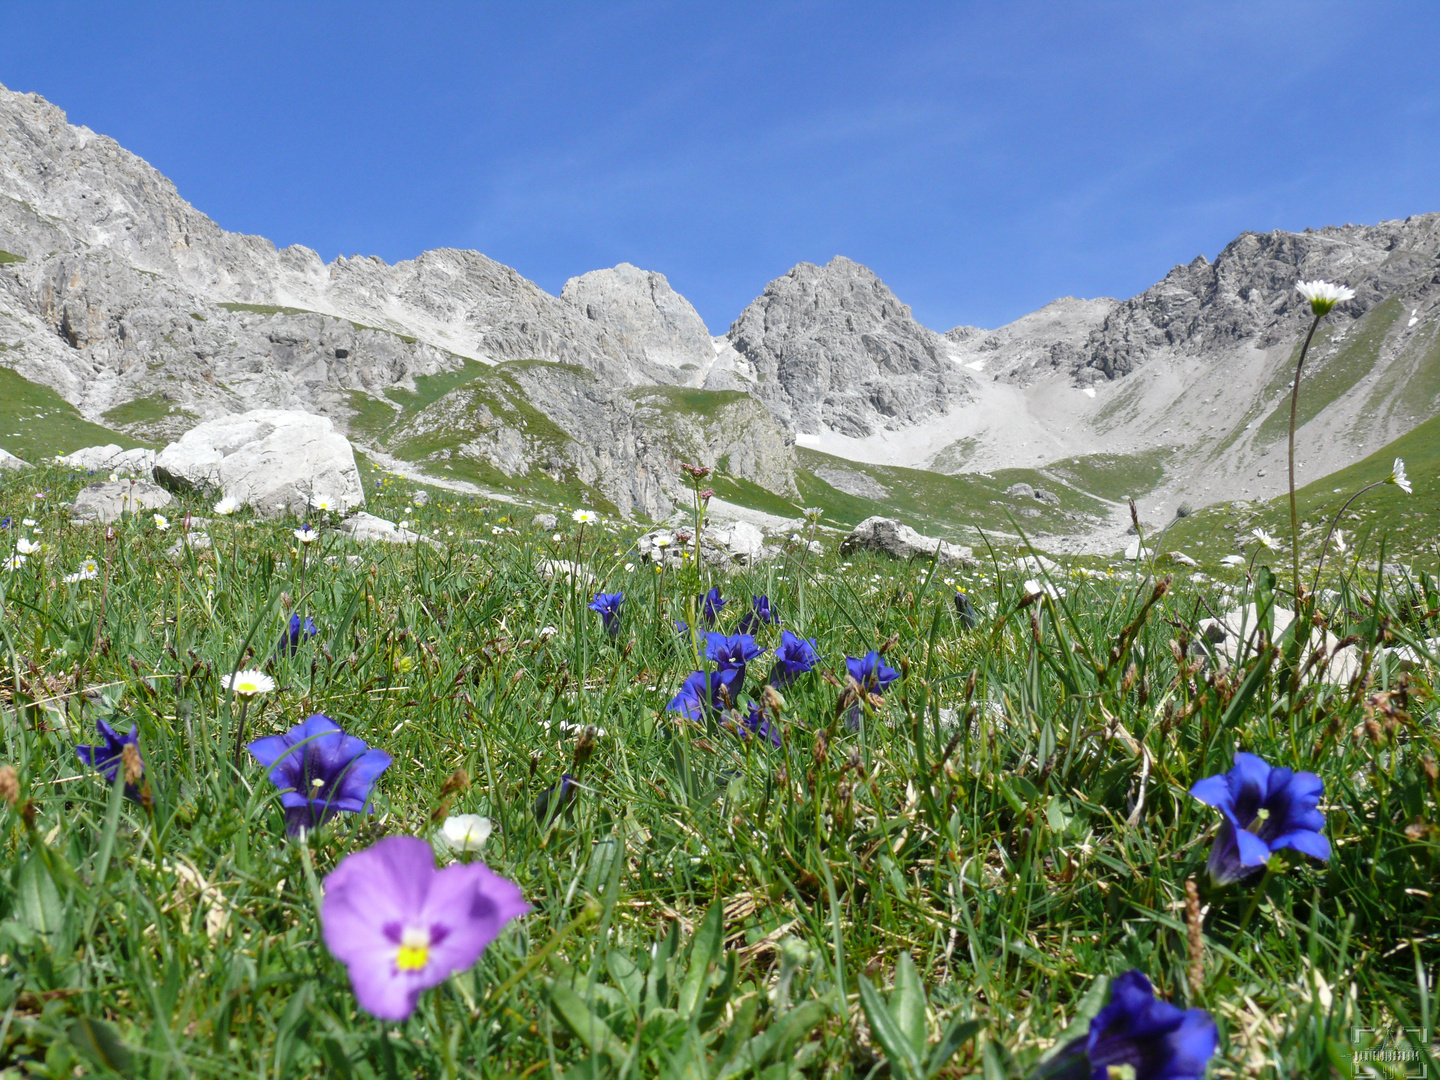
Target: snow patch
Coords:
[[1088, 391]]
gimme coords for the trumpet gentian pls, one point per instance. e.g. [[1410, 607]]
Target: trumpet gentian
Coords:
[[703, 691], [710, 605], [1265, 809], [400, 926], [320, 771], [105, 758], [298, 631], [759, 613], [794, 656], [608, 605], [1139, 1037]]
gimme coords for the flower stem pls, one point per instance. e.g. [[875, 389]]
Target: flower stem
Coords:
[[1294, 407], [240, 729], [1325, 546]]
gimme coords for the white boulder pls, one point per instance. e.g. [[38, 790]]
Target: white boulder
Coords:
[[110, 458], [273, 460]]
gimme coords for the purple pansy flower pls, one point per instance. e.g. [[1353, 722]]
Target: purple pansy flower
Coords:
[[1138, 1036], [794, 656], [710, 605], [400, 926], [608, 605], [105, 758], [298, 631], [320, 771], [701, 692], [759, 613], [1265, 809]]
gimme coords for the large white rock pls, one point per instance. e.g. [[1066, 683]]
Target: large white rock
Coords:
[[365, 527], [106, 500], [899, 541], [10, 461], [110, 458], [273, 460]]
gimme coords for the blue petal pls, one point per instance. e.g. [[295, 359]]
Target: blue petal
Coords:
[[1253, 851], [1214, 791], [1304, 841]]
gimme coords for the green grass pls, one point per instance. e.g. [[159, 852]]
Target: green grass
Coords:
[[36, 422], [144, 411], [1408, 520], [687, 399], [1113, 476], [7, 257], [976, 848], [266, 309], [947, 506]]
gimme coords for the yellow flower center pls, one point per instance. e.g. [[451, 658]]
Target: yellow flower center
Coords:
[[247, 686], [414, 949], [1120, 1072]]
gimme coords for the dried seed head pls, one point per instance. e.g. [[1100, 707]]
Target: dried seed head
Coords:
[[770, 698], [133, 766], [459, 781], [9, 785]]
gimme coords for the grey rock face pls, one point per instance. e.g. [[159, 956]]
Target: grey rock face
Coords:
[[640, 310], [899, 541], [106, 500], [833, 347], [420, 498], [10, 461], [724, 544], [1020, 491], [546, 522], [1049, 498], [853, 483], [273, 460], [1055, 337]]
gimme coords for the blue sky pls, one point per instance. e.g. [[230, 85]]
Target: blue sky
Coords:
[[982, 158]]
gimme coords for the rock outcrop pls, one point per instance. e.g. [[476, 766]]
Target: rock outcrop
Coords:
[[832, 347], [890, 537], [274, 461], [107, 500]]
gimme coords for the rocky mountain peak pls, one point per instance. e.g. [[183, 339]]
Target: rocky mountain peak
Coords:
[[833, 347], [640, 309]]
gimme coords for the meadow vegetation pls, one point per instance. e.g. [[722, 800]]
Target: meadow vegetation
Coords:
[[939, 875]]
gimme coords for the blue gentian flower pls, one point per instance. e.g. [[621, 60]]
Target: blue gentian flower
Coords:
[[320, 771], [682, 627], [759, 724], [758, 614], [1138, 1036], [794, 656], [298, 631], [608, 605], [569, 791], [872, 675], [6, 523], [1265, 809], [731, 650], [705, 691], [964, 610], [105, 758], [710, 605], [871, 672]]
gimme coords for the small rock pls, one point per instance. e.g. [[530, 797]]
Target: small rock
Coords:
[[420, 498], [1049, 498], [553, 568], [10, 461], [1020, 491], [110, 458], [105, 500], [547, 522], [1181, 558], [1033, 565], [196, 541], [363, 527], [902, 542]]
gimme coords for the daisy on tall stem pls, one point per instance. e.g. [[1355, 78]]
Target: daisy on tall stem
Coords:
[[1323, 296]]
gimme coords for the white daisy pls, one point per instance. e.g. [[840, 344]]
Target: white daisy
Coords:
[[1398, 478], [29, 523], [1035, 588], [466, 832], [323, 503], [557, 538], [584, 517], [89, 570], [629, 567], [26, 546], [15, 562], [1264, 539], [248, 683], [1323, 295], [161, 522], [306, 535], [227, 506]]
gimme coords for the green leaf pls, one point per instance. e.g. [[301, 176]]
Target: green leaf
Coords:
[[38, 900], [956, 1035], [714, 1007], [584, 1024], [776, 1041], [904, 1061], [907, 1004], [703, 952], [96, 1040]]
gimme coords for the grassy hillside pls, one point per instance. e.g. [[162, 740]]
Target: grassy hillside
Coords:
[[36, 422]]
